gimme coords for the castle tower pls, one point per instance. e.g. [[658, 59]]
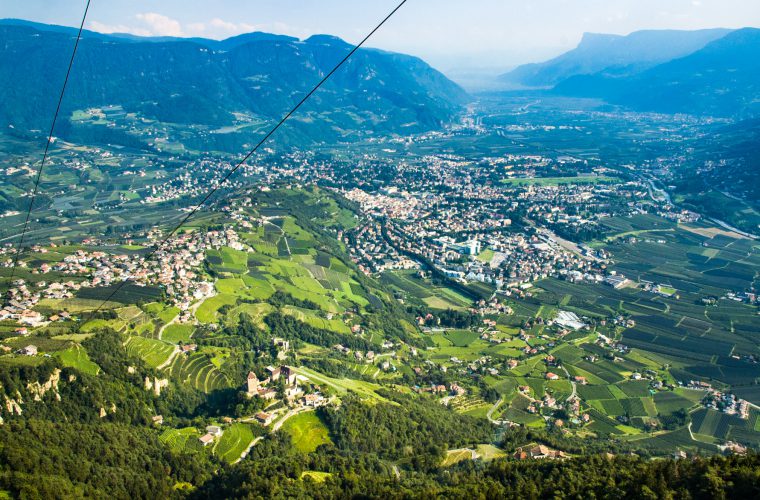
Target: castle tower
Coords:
[[253, 384]]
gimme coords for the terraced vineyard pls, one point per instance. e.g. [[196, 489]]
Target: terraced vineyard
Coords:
[[198, 371]]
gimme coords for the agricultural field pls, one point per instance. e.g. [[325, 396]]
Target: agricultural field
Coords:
[[311, 318], [697, 339], [177, 333], [470, 405], [234, 441], [365, 390], [417, 290], [208, 312], [76, 357], [307, 431]]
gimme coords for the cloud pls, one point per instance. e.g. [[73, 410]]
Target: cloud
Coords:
[[160, 25], [117, 28], [153, 24]]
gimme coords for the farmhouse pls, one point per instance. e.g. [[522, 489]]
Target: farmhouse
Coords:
[[264, 418], [551, 376], [214, 430], [30, 350], [206, 439]]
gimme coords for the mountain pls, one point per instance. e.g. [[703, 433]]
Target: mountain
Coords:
[[249, 79], [613, 54], [721, 79]]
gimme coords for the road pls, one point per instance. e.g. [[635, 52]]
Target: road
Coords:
[[291, 413], [572, 382], [493, 409]]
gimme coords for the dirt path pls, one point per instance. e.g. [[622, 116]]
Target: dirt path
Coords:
[[251, 445], [169, 361]]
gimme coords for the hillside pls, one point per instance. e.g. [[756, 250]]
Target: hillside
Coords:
[[613, 55], [225, 90]]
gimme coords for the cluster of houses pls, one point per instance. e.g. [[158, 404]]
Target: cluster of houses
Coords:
[[725, 402], [174, 267], [411, 219], [538, 452]]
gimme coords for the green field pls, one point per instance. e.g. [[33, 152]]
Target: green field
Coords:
[[235, 440], [76, 357], [200, 372], [307, 431], [177, 333], [364, 389], [153, 352], [208, 311]]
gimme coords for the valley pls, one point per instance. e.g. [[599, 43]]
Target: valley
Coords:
[[535, 284]]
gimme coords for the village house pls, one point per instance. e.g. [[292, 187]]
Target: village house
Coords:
[[313, 400]]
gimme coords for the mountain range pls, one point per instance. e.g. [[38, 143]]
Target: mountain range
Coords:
[[251, 78], [706, 72]]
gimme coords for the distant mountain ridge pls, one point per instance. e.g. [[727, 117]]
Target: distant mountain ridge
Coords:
[[210, 83], [706, 72], [721, 79], [614, 54]]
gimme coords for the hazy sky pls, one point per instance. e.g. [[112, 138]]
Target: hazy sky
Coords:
[[450, 34]]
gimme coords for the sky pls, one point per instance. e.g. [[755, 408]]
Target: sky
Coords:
[[452, 35]]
